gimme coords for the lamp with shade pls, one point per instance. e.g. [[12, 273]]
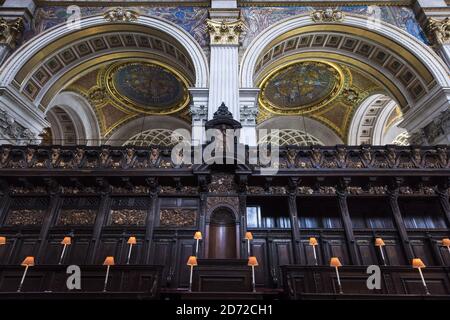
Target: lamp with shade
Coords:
[[27, 262], [248, 237], [192, 262], [197, 237], [379, 242], [313, 242], [109, 261], [418, 264], [131, 241], [65, 242], [334, 262], [253, 262], [2, 241]]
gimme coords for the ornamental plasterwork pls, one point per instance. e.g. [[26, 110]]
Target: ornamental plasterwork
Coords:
[[224, 32], [327, 15], [121, 15], [11, 31], [439, 30]]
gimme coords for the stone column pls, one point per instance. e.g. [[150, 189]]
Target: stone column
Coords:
[[434, 18], [224, 28]]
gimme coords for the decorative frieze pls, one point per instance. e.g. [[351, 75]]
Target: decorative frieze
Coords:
[[291, 158], [76, 217], [185, 190], [222, 183], [214, 202], [178, 217], [139, 189], [25, 217], [128, 217]]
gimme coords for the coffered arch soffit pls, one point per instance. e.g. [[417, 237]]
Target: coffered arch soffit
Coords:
[[408, 68], [45, 64]]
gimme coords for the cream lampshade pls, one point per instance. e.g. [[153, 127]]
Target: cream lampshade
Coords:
[[192, 261], [418, 263], [28, 261], [131, 240], [109, 261], [66, 241], [313, 241], [334, 262], [252, 261], [198, 235], [379, 242]]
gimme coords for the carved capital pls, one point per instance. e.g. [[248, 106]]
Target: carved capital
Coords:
[[121, 15], [248, 114], [11, 31], [199, 112], [438, 31], [439, 126], [224, 32], [327, 15], [15, 131]]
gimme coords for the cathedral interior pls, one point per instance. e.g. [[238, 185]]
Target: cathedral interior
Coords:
[[354, 95]]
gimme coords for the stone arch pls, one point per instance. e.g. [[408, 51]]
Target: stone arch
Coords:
[[81, 114], [423, 63], [59, 35]]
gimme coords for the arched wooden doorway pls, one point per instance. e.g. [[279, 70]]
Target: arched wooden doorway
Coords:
[[222, 235]]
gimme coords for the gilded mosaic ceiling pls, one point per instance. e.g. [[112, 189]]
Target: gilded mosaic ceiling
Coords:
[[123, 91], [145, 87], [327, 92], [303, 86]]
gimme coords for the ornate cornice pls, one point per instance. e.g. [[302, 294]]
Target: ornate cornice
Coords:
[[11, 31], [293, 159], [224, 32]]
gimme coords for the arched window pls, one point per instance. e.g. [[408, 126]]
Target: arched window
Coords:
[[402, 139], [160, 137], [290, 137]]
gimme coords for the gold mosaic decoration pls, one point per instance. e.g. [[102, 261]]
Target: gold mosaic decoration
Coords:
[[304, 87], [335, 110], [112, 109]]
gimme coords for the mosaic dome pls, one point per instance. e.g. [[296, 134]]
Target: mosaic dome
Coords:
[[301, 85], [146, 86]]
